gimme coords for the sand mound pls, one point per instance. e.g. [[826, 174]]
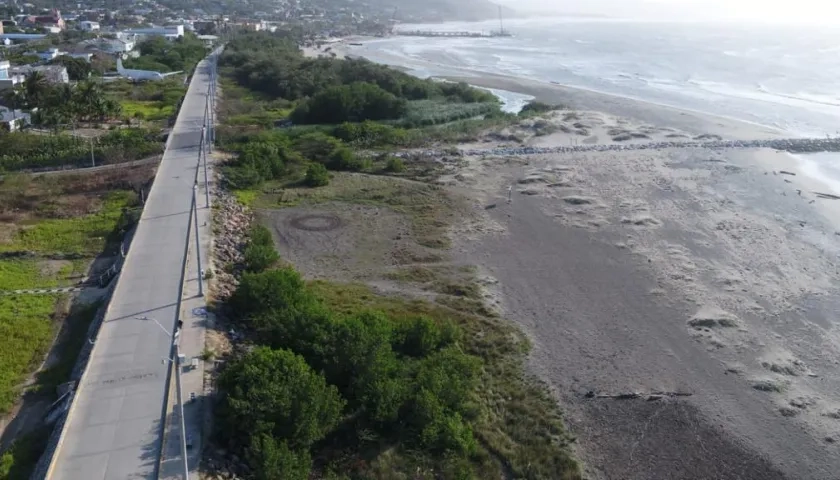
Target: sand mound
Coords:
[[710, 317], [641, 221], [769, 385], [577, 200]]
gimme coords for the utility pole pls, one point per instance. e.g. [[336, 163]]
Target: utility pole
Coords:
[[92, 158], [194, 212], [177, 362], [201, 152]]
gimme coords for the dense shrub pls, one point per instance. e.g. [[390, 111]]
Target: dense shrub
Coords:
[[275, 393], [343, 158], [370, 134], [316, 146], [535, 108], [404, 376], [316, 175], [273, 460], [259, 235], [279, 70], [355, 103], [394, 165], [259, 257]]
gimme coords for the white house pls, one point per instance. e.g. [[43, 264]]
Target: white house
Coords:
[[13, 120], [170, 32], [115, 46], [87, 26], [53, 53], [53, 73], [49, 54], [9, 79]]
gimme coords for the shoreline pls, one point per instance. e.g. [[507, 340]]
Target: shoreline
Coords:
[[611, 262], [582, 98]]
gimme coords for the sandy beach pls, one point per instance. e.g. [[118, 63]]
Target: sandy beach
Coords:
[[681, 302], [708, 274]]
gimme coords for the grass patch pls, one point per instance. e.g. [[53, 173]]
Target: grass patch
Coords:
[[147, 109], [247, 196], [19, 460], [520, 427], [87, 234], [429, 208], [436, 112], [26, 329], [23, 274]]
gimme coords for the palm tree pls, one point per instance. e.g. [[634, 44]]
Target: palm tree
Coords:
[[15, 98], [36, 87]]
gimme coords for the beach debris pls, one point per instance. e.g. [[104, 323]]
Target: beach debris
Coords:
[[785, 172], [578, 200], [710, 317], [490, 207], [649, 396], [768, 385], [641, 221], [827, 196]]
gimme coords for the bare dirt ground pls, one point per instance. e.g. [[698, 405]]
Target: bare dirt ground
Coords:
[[686, 271]]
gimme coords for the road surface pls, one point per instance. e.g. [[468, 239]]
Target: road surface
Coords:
[[113, 431]]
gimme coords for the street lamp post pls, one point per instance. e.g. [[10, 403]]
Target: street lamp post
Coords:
[[177, 365], [194, 214]]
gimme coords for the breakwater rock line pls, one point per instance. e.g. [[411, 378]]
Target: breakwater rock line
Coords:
[[793, 145]]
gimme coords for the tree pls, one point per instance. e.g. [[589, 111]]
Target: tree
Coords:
[[36, 87], [275, 393], [273, 460], [355, 103], [77, 68], [282, 289]]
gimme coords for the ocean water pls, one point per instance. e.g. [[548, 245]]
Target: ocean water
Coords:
[[786, 77]]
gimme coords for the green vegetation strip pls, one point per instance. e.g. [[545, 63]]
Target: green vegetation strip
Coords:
[[26, 329]]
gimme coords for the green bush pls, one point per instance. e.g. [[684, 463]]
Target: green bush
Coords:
[[274, 290], [316, 175], [273, 460], [259, 257], [370, 134], [355, 102], [275, 393], [343, 158], [394, 165], [316, 146], [260, 235], [536, 108]]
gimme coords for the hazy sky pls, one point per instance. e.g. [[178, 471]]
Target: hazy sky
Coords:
[[819, 11]]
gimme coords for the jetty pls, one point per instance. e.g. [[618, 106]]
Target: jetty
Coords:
[[433, 33], [501, 32], [792, 145]]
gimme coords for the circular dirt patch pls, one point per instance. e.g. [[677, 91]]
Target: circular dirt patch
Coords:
[[316, 223]]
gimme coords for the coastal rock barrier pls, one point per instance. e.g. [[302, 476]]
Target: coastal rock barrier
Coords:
[[793, 145]]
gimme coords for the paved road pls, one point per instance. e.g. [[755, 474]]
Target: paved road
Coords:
[[114, 427]]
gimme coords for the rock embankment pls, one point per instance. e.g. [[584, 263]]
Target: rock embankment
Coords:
[[793, 145], [230, 223]]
